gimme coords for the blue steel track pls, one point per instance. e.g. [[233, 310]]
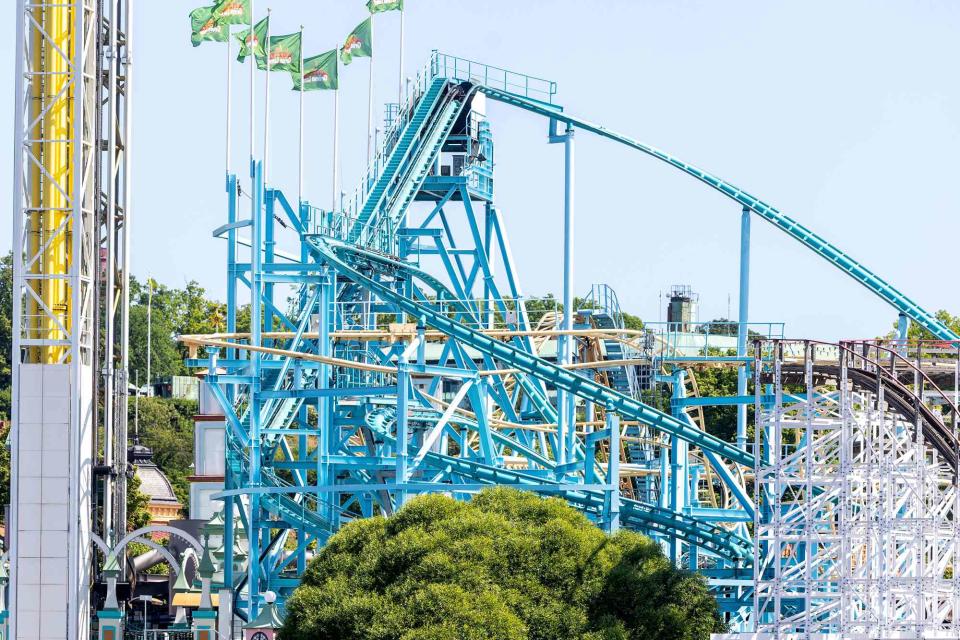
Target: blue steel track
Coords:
[[326, 425]]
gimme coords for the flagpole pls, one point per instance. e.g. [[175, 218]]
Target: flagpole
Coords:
[[302, 89], [336, 148], [400, 91], [370, 100], [253, 92], [266, 107], [229, 92]]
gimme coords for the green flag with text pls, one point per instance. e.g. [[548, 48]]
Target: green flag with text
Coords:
[[284, 52], [204, 27], [319, 72], [232, 11], [254, 43], [358, 44], [378, 6]]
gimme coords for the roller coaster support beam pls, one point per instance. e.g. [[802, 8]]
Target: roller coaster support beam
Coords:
[[903, 332], [612, 506], [566, 402], [679, 470], [403, 397], [232, 193], [256, 299], [742, 320]]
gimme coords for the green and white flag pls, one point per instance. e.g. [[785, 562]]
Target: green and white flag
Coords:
[[378, 6], [284, 52], [204, 26], [232, 11], [256, 43], [358, 44], [319, 72]]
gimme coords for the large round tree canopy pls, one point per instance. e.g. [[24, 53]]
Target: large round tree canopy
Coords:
[[507, 565]]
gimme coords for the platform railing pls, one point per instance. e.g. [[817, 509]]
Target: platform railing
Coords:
[[521, 84], [705, 339], [380, 237], [443, 65], [603, 297]]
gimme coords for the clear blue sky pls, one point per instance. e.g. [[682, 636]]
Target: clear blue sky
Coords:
[[842, 114]]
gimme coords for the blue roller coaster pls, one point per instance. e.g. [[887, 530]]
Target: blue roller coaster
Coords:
[[396, 354]]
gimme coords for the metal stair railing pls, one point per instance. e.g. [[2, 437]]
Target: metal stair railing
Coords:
[[401, 117], [398, 154]]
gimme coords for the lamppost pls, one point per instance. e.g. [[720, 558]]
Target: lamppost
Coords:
[[145, 599]]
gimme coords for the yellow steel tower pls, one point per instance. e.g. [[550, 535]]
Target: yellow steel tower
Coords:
[[71, 198]]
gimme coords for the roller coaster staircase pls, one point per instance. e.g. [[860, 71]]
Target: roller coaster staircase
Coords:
[[601, 307], [410, 148]]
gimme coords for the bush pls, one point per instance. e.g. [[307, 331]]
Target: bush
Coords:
[[508, 565]]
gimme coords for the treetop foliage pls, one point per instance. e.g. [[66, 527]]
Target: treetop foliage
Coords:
[[508, 565]]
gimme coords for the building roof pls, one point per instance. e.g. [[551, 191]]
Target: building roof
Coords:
[[269, 618], [155, 484]]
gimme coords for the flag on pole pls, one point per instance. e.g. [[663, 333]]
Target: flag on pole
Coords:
[[319, 72], [254, 44], [203, 27], [358, 44], [284, 53], [379, 6], [232, 11]]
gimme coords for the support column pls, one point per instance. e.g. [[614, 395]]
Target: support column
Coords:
[[903, 333], [613, 474], [327, 438], [403, 384], [269, 251], [231, 266], [566, 402], [678, 472], [256, 328], [742, 326], [225, 613]]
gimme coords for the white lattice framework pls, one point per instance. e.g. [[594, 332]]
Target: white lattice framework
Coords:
[[856, 537]]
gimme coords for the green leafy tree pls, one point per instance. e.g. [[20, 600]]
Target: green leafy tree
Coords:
[[6, 332], [916, 332], [137, 502], [166, 427], [508, 565], [721, 421], [632, 322], [165, 358]]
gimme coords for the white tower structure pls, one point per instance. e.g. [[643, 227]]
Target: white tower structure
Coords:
[[71, 204], [856, 533]]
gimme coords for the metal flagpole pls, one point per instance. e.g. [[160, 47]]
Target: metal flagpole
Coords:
[[253, 102], [229, 91], [370, 101], [302, 89], [400, 90], [336, 148], [266, 107]]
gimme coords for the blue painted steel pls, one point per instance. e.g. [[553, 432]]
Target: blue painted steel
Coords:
[[788, 225], [515, 358], [375, 436], [400, 152], [743, 318]]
